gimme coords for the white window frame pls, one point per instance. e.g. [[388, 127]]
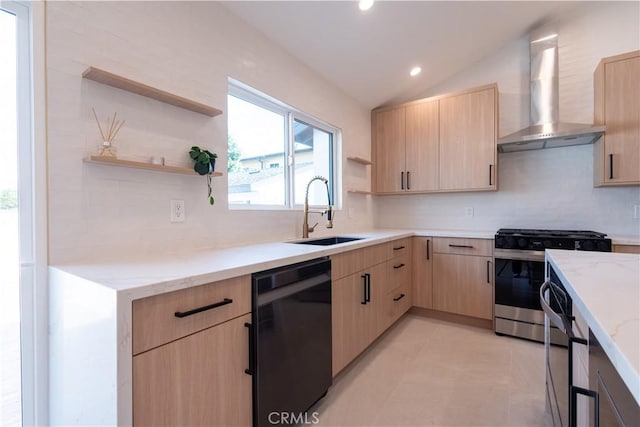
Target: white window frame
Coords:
[[32, 202], [255, 97]]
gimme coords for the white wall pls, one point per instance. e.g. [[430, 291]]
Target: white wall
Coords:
[[189, 48], [547, 188]]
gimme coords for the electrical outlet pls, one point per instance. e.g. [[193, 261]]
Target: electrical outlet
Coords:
[[177, 211], [636, 211], [468, 211]]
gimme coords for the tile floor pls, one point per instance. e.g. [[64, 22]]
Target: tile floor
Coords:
[[426, 372]]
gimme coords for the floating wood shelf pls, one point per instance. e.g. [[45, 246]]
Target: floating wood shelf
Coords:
[[132, 86], [359, 192], [110, 161], [359, 160]]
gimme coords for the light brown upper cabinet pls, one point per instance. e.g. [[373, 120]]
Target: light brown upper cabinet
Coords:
[[406, 148], [468, 134], [389, 152], [439, 144], [617, 106]]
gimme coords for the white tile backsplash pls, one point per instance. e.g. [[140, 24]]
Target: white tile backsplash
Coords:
[[550, 188], [188, 48]]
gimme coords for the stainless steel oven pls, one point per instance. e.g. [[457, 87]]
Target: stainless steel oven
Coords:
[[519, 274]]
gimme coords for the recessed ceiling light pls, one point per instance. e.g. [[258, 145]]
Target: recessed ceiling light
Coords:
[[415, 71], [365, 4]]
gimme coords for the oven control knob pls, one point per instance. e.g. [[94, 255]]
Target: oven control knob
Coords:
[[500, 242], [603, 246], [511, 242], [587, 245], [547, 243], [522, 242]]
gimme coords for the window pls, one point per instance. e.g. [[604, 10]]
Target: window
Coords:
[[274, 151]]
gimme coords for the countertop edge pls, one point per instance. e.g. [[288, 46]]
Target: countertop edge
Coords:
[[260, 257], [619, 360]]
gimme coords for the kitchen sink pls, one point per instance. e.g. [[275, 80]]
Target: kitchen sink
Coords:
[[328, 241]]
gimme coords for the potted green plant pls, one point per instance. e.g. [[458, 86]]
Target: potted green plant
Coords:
[[204, 163]]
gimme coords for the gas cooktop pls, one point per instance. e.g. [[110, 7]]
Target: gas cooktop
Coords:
[[524, 239]]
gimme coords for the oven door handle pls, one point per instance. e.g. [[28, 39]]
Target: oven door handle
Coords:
[[554, 317]]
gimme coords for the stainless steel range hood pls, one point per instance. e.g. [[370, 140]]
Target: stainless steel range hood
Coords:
[[545, 130]]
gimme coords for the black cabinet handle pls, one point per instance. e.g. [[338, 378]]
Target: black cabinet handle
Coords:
[[398, 266], [249, 370], [368, 286], [398, 298], [611, 166], [182, 314], [402, 180], [398, 248], [408, 182], [428, 249], [488, 272], [575, 391], [460, 246], [364, 289], [490, 174]]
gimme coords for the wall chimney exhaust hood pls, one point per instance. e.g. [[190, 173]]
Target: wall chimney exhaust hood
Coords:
[[545, 130]]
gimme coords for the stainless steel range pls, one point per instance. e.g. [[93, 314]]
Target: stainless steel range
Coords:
[[519, 273]]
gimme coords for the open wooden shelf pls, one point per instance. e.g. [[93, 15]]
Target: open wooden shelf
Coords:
[[359, 160], [111, 161], [359, 192], [132, 86]]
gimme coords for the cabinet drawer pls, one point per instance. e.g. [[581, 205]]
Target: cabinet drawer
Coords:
[[627, 249], [398, 248], [155, 321], [451, 245], [351, 262], [398, 272], [397, 302]]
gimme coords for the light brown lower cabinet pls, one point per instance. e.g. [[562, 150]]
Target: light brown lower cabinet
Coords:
[[422, 281], [197, 380], [463, 284], [355, 302], [627, 249], [370, 290]]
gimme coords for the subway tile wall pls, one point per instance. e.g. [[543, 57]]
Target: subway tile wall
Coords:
[[547, 188], [188, 48]]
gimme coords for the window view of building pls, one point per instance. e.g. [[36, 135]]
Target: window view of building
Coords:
[[274, 151]]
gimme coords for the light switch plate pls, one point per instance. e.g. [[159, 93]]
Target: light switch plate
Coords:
[[636, 211], [177, 211], [468, 211]]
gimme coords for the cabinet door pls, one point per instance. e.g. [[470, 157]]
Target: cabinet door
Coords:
[[422, 272], [463, 285], [422, 139], [389, 150], [468, 141], [198, 380], [622, 120], [350, 319]]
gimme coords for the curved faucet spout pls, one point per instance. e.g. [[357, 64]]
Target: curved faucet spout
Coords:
[[329, 210]]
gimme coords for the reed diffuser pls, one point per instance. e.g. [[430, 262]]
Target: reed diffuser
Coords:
[[107, 148]]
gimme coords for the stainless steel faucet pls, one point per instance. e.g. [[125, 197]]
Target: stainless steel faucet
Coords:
[[329, 210]]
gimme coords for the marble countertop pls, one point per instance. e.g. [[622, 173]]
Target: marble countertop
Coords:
[[141, 277], [606, 289]]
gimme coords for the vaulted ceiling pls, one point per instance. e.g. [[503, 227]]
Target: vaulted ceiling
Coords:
[[369, 54]]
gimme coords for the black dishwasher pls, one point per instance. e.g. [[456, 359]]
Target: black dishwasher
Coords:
[[291, 341]]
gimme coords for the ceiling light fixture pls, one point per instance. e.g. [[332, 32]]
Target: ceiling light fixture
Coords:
[[365, 4], [415, 71]]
